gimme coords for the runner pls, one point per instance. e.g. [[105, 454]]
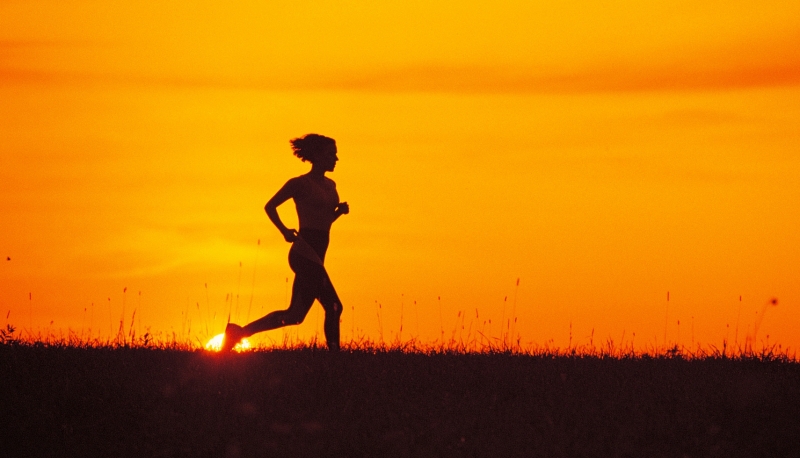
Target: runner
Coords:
[[318, 206]]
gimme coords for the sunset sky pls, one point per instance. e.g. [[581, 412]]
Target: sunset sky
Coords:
[[603, 153]]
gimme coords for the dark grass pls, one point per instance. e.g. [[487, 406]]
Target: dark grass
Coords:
[[62, 400]]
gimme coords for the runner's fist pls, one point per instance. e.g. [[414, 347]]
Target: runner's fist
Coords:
[[290, 235]]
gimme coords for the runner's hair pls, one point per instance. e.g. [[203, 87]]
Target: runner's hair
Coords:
[[308, 146]]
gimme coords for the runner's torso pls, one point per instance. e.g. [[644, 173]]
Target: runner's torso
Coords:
[[316, 202]]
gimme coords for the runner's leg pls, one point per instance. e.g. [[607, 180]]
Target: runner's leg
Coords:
[[333, 311], [305, 289]]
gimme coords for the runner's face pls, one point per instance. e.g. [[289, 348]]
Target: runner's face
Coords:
[[328, 158]]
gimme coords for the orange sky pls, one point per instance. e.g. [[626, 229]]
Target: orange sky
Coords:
[[602, 154]]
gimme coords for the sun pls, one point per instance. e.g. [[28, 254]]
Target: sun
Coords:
[[216, 343]]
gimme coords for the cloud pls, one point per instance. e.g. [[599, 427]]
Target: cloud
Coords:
[[448, 79], [736, 66], [478, 79]]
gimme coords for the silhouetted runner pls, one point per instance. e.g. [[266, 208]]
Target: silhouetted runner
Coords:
[[318, 207]]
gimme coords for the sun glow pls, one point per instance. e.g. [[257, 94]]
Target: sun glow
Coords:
[[216, 343]]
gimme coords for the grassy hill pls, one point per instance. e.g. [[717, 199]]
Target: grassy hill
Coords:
[[80, 401]]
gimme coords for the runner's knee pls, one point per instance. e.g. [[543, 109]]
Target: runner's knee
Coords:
[[293, 319], [335, 308], [290, 318]]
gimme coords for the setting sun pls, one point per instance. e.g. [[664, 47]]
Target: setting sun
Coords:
[[216, 343]]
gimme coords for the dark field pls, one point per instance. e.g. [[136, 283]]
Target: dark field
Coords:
[[67, 401]]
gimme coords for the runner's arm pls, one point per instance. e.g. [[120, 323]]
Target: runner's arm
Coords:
[[341, 209], [285, 193]]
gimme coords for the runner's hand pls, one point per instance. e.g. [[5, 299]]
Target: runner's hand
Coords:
[[342, 208], [290, 235]]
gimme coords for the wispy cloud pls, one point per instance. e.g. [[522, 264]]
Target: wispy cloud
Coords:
[[449, 79], [437, 78], [736, 66]]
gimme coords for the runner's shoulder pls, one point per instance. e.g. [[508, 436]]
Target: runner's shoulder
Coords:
[[295, 186]]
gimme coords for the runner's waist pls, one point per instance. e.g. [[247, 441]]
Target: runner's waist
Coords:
[[318, 239]]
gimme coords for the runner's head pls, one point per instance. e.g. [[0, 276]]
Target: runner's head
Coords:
[[312, 147]]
